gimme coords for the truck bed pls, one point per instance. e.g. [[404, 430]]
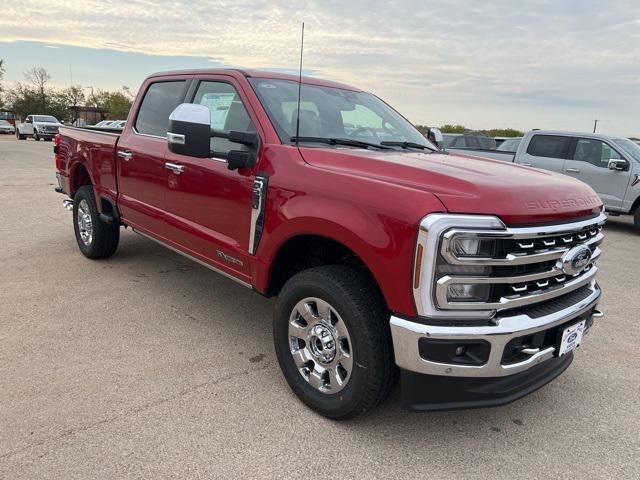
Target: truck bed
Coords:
[[90, 148], [494, 154]]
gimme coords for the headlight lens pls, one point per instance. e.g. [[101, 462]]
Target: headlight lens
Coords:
[[473, 247], [460, 292]]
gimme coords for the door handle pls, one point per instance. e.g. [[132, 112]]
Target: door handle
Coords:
[[126, 156], [174, 167], [573, 170], [525, 164]]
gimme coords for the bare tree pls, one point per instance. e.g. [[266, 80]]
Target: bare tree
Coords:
[[2, 70], [39, 77]]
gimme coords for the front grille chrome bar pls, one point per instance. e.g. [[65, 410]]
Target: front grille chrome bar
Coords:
[[511, 258], [510, 301]]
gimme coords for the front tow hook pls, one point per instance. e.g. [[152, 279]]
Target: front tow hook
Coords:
[[68, 204]]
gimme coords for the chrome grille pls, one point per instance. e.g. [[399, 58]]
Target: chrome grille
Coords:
[[526, 267]]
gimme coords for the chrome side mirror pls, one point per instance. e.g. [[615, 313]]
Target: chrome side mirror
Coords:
[[434, 135], [619, 165], [189, 131]]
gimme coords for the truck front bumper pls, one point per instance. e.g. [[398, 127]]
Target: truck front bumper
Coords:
[[504, 360]]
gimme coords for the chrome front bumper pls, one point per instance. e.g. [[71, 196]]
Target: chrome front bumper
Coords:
[[407, 334]]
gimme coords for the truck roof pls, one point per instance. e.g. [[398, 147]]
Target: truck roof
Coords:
[[252, 73], [602, 136]]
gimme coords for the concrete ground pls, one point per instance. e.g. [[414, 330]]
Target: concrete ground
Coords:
[[150, 366]]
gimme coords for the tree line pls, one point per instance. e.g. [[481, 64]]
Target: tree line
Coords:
[[493, 132], [35, 96]]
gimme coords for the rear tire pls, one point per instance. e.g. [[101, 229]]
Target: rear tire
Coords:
[[636, 220], [19, 136], [36, 137], [95, 238], [345, 319]]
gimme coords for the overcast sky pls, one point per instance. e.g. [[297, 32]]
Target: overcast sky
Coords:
[[527, 64]]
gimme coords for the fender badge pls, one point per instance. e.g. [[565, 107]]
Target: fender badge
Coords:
[[228, 258]]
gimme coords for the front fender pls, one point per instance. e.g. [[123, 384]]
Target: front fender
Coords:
[[384, 241]]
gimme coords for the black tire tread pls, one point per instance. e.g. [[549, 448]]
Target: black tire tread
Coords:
[[363, 294], [636, 220], [105, 236]]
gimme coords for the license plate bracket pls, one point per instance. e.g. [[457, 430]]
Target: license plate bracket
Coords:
[[571, 337]]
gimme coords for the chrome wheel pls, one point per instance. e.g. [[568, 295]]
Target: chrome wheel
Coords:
[[320, 345], [85, 224]]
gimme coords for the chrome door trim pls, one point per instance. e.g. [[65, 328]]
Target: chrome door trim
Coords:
[[174, 167]]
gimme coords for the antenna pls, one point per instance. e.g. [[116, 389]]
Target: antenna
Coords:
[[299, 86]]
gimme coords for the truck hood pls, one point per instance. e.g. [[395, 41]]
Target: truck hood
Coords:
[[469, 185], [47, 124]]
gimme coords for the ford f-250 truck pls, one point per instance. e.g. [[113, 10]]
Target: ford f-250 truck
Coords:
[[610, 164], [383, 252]]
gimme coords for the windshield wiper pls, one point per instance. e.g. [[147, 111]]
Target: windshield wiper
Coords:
[[408, 145], [340, 141]]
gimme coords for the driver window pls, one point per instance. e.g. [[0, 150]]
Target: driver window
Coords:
[[594, 152], [227, 114]]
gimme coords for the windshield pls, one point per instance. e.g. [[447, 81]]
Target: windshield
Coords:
[[631, 148], [333, 113], [45, 118], [4, 122], [510, 145]]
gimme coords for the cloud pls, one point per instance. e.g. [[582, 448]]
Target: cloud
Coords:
[[441, 60]]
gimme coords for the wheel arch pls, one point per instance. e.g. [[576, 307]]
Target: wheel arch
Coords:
[[301, 238]]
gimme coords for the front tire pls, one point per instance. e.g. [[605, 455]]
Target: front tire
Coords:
[[333, 341], [636, 220], [36, 137], [95, 238]]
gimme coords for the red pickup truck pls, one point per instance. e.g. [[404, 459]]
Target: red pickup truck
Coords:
[[473, 280]]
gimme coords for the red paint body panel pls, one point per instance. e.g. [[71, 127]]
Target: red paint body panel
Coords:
[[370, 201]]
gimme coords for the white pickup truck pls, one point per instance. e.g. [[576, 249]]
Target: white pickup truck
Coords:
[[610, 164], [39, 127]]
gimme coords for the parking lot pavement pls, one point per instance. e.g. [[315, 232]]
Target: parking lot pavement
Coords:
[[149, 366]]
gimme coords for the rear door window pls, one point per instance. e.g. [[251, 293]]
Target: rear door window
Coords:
[[549, 146], [158, 103]]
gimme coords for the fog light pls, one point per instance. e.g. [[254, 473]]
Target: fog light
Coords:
[[460, 292], [460, 350], [473, 247]]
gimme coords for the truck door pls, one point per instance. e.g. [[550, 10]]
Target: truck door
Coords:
[[589, 162], [140, 156], [545, 151], [209, 205], [27, 126]]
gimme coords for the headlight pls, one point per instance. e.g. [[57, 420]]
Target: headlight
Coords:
[[448, 267], [460, 292], [472, 247]]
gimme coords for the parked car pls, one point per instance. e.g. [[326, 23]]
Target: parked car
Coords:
[[459, 140], [110, 124], [6, 127], [509, 144], [610, 164], [39, 127], [381, 253]]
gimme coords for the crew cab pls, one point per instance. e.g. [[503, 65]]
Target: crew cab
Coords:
[[39, 127], [610, 164], [388, 258]]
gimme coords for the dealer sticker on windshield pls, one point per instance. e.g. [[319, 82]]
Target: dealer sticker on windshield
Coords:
[[571, 337]]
